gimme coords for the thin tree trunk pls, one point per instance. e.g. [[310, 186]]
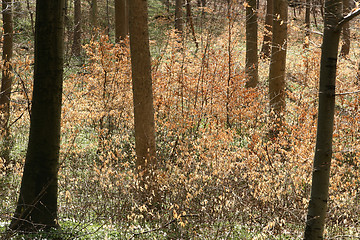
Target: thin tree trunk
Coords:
[[266, 46], [94, 14], [228, 87], [76, 47], [6, 80], [143, 101], [179, 19], [358, 75], [345, 48], [251, 66], [31, 14], [307, 23], [37, 204], [278, 65], [189, 20], [323, 151], [121, 20]]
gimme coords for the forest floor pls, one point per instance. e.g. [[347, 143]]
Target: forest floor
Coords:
[[220, 174]]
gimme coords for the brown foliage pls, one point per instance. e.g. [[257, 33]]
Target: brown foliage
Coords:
[[220, 173]]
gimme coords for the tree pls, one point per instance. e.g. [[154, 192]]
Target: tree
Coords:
[[143, 99], [278, 63], [121, 20], [37, 204], [94, 13], [345, 48], [307, 23], [76, 47], [179, 20], [317, 209], [189, 20], [266, 46], [251, 68], [6, 80], [31, 15]]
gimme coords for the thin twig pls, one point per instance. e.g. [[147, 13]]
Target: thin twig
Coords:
[[347, 93]]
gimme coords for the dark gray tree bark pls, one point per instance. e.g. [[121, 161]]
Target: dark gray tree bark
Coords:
[[37, 204], [323, 151]]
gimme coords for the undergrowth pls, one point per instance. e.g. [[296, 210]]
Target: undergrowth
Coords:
[[221, 176]]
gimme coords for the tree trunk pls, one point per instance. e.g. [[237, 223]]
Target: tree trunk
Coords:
[[345, 48], [37, 203], [266, 46], [6, 80], [94, 14], [76, 47], [278, 64], [121, 20], [323, 150], [31, 15], [189, 20], [143, 100], [251, 68], [307, 23], [358, 75], [179, 20]]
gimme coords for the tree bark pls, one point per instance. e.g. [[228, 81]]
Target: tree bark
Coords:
[[31, 15], [345, 48], [266, 46], [278, 64], [94, 14], [323, 150], [6, 80], [189, 20], [76, 47], [143, 100], [307, 23], [121, 20], [37, 204], [358, 75], [251, 66], [179, 19]]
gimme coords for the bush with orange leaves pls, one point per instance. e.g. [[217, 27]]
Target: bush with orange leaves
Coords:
[[216, 163], [215, 160]]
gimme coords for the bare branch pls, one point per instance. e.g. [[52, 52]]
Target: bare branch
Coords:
[[346, 93], [347, 18]]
